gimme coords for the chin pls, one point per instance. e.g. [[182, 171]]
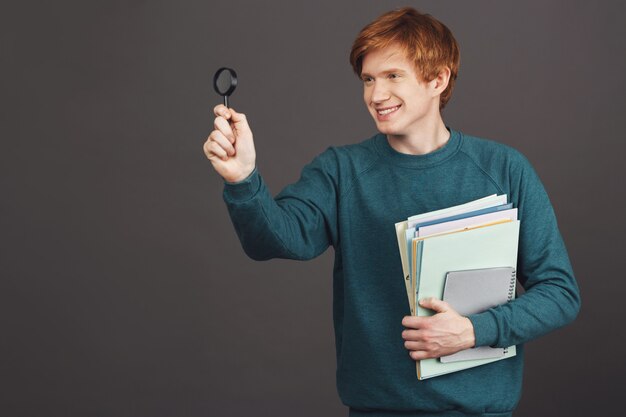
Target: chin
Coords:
[[387, 130]]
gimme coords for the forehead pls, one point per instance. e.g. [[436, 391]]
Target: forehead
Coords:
[[381, 59]]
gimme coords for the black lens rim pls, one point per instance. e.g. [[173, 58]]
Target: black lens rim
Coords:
[[233, 81]]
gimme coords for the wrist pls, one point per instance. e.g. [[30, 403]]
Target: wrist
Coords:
[[234, 179], [469, 332]]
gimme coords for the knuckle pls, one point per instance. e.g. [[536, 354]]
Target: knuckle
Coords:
[[218, 136], [220, 123], [215, 147]]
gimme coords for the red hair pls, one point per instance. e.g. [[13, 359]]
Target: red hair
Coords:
[[425, 41]]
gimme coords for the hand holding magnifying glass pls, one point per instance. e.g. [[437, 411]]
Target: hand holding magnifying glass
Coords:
[[230, 146]]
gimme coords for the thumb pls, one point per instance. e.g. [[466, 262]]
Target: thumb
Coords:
[[435, 304], [235, 116], [239, 122]]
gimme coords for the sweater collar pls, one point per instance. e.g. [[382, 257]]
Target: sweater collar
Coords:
[[419, 161]]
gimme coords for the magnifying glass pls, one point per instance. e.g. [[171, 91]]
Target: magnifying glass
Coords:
[[225, 82]]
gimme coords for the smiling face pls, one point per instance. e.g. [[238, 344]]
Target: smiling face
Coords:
[[396, 97]]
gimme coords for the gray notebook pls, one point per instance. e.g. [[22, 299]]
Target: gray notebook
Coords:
[[474, 291]]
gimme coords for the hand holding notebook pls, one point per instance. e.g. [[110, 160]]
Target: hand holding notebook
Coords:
[[482, 234]]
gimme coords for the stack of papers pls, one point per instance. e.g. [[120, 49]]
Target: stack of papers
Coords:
[[479, 235]]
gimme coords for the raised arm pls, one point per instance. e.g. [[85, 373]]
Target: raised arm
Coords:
[[300, 223]]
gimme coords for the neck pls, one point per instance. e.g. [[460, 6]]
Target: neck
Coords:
[[426, 139]]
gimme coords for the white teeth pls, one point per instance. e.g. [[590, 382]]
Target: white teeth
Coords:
[[387, 111]]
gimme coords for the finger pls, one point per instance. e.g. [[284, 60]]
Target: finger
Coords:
[[418, 355], [221, 110], [217, 136], [413, 335], [223, 126], [212, 149], [417, 346], [205, 148], [239, 123], [414, 322], [435, 304], [237, 117], [208, 150], [407, 321]]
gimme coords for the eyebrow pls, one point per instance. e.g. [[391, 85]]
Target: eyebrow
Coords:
[[389, 71]]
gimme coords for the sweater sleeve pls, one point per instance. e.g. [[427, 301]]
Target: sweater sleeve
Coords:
[[551, 298], [300, 223]]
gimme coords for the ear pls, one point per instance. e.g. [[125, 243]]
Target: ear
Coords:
[[440, 82]]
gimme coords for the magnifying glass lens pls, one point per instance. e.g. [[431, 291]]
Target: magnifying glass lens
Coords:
[[224, 82]]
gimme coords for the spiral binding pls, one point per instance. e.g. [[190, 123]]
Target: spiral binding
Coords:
[[512, 286], [511, 295]]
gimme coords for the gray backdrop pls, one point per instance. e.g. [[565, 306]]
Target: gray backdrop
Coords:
[[124, 290]]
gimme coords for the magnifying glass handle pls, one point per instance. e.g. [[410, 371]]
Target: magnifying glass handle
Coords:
[[226, 101]]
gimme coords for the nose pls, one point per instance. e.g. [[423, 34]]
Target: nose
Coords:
[[380, 92]]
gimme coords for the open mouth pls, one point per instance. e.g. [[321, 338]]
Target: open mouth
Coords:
[[388, 110]]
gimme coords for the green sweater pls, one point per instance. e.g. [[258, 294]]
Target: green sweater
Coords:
[[350, 197]]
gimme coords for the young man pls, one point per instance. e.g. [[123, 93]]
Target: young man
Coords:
[[351, 196]]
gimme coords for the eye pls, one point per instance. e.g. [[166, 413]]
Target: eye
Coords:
[[393, 75], [367, 79]]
